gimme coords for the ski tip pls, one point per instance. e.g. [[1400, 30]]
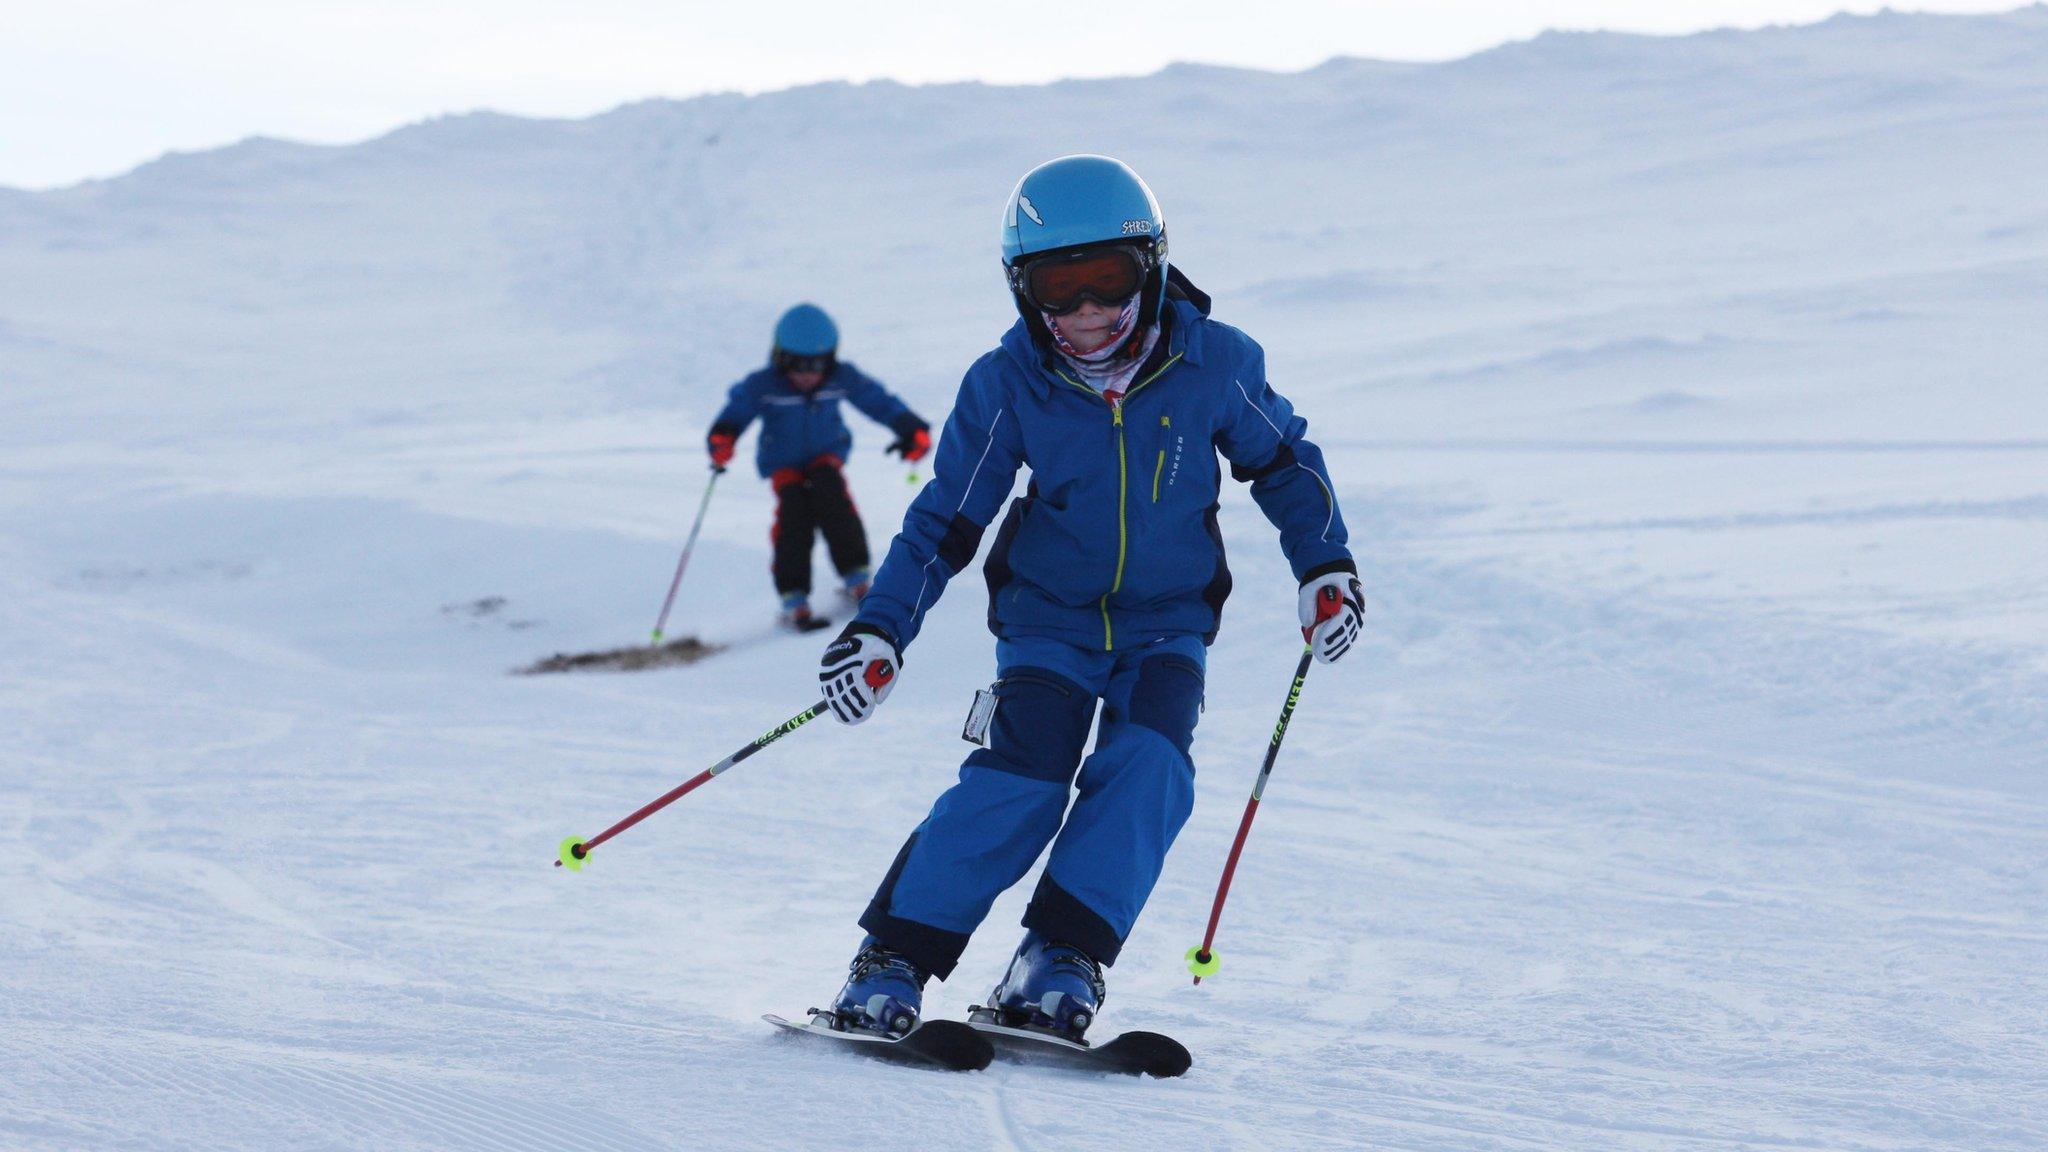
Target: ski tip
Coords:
[[1202, 962], [946, 1044], [953, 1044], [1158, 1056], [572, 854]]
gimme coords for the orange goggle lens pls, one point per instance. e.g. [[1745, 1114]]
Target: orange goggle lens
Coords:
[[1058, 284]]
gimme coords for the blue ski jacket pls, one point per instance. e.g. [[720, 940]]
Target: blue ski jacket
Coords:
[[799, 427], [1114, 543]]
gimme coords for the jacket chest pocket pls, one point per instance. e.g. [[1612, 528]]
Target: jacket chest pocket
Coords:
[[1169, 457]]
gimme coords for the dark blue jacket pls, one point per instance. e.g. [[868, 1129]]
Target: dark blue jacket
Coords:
[[799, 427], [1115, 543]]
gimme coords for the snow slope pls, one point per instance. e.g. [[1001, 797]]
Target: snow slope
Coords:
[[1687, 399]]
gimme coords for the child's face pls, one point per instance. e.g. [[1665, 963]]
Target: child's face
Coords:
[[805, 381], [1091, 325]]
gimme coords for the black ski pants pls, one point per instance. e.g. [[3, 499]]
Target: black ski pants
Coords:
[[810, 500]]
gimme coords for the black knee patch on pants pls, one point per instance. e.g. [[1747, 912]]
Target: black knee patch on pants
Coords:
[[1055, 914], [1168, 699], [1040, 726], [935, 950]]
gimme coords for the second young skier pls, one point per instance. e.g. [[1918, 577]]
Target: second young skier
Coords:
[[803, 448]]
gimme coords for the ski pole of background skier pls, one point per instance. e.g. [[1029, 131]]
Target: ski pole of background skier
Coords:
[[1202, 957], [575, 850], [689, 545]]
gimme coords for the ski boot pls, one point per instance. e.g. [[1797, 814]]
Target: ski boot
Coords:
[[855, 585], [797, 616], [884, 991], [1050, 986]]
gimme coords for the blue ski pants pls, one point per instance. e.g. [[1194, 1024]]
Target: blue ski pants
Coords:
[[1129, 799]]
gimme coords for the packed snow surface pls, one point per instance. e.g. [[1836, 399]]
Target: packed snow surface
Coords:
[[1687, 399]]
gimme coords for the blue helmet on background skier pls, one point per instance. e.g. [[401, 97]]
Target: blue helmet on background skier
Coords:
[[1084, 228], [806, 339]]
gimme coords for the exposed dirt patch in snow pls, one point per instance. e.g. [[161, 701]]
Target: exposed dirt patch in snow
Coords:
[[687, 650]]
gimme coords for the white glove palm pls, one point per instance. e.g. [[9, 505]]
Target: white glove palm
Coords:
[[857, 672], [1332, 611]]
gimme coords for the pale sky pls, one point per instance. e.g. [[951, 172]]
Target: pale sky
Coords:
[[94, 87]]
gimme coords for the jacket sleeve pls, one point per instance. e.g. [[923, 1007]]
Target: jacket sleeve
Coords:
[[973, 470], [742, 404], [878, 403], [1266, 445]]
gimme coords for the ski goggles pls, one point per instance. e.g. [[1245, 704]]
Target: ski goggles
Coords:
[[1057, 284], [821, 362]]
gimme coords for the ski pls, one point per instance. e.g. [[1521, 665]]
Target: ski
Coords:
[[1131, 1054], [946, 1044]]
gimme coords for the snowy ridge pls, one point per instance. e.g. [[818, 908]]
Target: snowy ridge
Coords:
[[1686, 400]]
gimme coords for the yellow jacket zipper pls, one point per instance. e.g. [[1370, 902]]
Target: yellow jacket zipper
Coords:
[[1123, 488], [1123, 499]]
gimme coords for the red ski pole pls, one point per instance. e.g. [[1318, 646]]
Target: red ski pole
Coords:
[[574, 850], [1202, 957], [661, 621]]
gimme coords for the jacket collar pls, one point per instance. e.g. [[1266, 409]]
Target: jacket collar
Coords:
[[1184, 339]]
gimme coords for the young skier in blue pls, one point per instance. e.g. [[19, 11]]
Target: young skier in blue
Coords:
[[804, 444], [1106, 581]]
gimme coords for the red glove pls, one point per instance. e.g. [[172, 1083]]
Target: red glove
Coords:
[[914, 444], [721, 444]]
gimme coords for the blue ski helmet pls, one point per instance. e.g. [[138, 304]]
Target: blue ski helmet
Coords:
[[805, 330], [1079, 202]]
